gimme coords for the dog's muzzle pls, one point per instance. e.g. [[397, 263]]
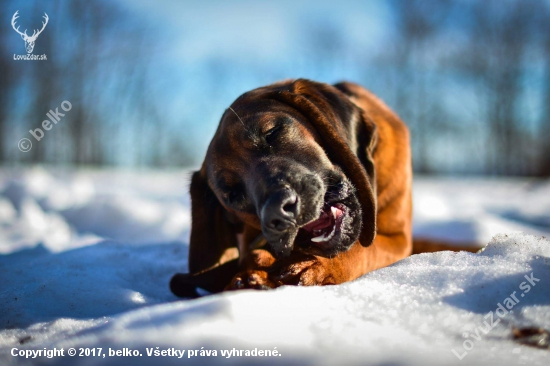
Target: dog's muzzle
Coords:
[[278, 216], [293, 202]]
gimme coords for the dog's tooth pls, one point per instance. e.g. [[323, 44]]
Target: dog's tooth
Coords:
[[319, 239], [334, 211], [322, 238]]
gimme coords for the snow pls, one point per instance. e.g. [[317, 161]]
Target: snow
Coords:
[[86, 257], [474, 210]]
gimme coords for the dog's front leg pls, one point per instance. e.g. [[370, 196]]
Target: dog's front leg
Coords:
[[311, 270], [264, 272], [255, 275]]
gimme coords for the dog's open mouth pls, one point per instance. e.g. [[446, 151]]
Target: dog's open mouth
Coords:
[[325, 228], [329, 227]]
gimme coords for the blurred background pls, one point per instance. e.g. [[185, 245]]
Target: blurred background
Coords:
[[148, 80]]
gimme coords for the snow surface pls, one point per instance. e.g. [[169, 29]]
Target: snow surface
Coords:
[[86, 257]]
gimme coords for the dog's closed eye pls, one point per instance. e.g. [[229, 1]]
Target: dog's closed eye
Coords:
[[272, 134], [234, 194]]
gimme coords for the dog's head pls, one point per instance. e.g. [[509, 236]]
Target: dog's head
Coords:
[[293, 160]]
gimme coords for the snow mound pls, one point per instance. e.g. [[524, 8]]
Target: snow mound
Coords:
[[65, 209], [415, 312]]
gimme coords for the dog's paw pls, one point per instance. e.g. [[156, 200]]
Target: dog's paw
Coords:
[[257, 280], [304, 271]]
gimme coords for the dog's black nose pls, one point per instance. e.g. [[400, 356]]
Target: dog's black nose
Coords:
[[280, 210]]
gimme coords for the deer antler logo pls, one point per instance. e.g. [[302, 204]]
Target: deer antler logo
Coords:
[[29, 41]]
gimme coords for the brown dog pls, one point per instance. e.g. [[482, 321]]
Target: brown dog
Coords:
[[320, 174]]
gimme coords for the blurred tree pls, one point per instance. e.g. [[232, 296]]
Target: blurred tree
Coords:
[[544, 136], [417, 22], [7, 80], [504, 37], [96, 60]]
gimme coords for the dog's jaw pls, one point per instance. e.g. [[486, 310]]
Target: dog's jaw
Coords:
[[329, 222], [338, 236], [282, 245], [333, 229]]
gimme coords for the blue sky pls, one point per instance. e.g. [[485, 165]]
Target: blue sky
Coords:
[[241, 39]]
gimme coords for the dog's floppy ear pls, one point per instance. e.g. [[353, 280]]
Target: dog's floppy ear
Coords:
[[211, 231], [347, 137], [211, 235]]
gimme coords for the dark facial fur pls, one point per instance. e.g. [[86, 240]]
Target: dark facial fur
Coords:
[[269, 170]]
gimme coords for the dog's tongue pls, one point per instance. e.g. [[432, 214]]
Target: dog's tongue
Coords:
[[326, 220]]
